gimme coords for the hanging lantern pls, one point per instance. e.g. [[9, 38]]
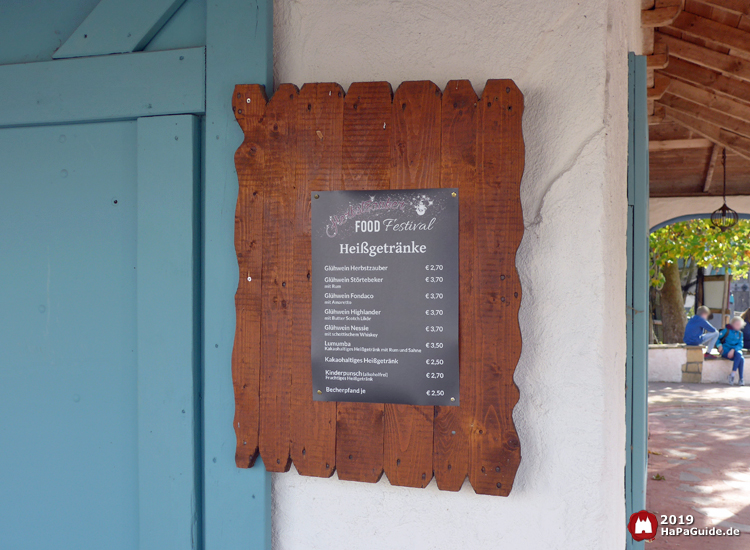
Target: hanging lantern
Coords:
[[724, 218]]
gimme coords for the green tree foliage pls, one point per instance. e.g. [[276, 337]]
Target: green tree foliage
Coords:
[[700, 242]]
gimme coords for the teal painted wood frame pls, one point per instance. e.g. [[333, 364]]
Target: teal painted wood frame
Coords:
[[236, 511], [114, 26], [168, 309], [239, 49], [636, 469], [124, 86]]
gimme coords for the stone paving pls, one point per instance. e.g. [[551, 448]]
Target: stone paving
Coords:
[[699, 441]]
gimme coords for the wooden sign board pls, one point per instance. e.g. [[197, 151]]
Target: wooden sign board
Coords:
[[322, 139]]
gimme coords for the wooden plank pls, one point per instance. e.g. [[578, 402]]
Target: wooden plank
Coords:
[[452, 425], [683, 173], [658, 116], [679, 171], [725, 17], [710, 100], [168, 261], [313, 423], [366, 164], [738, 90], [236, 503], [661, 84], [118, 87], [734, 142], [495, 448], [668, 130], [415, 162], [715, 13], [659, 59], [711, 167], [709, 115], [737, 6], [670, 144], [114, 26], [659, 17], [705, 28], [249, 106], [277, 278], [648, 40], [727, 64]]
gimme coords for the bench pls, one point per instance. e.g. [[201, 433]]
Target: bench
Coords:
[[683, 363]]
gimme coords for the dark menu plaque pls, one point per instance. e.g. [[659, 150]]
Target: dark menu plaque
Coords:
[[385, 296]]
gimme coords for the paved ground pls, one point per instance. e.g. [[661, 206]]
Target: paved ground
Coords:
[[699, 440]]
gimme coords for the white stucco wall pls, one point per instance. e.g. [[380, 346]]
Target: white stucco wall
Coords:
[[664, 209], [716, 372], [569, 57], [665, 363]]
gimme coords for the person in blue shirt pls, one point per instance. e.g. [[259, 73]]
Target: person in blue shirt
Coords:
[[699, 332], [730, 346], [746, 330]]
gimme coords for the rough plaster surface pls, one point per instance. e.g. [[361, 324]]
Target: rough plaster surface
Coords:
[[570, 60], [665, 364], [665, 209], [716, 371]]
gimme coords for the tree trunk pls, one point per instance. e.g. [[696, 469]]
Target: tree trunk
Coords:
[[725, 301], [687, 273], [672, 305]]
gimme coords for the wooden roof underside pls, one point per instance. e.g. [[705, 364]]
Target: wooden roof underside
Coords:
[[699, 95]]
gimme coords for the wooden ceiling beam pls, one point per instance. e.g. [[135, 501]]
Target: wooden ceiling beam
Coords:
[[711, 167], [661, 83], [710, 100], [708, 29], [733, 142], [701, 76], [723, 63], [674, 144], [648, 41], [658, 116], [659, 59], [702, 112], [737, 6], [659, 17]]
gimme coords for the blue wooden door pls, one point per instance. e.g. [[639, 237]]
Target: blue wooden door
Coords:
[[48, 475], [99, 359]]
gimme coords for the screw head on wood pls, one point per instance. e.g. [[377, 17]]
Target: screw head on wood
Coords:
[[248, 100]]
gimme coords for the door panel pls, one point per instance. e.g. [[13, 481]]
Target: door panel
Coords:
[[68, 337], [99, 339]]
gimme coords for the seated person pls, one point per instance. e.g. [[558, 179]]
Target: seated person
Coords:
[[694, 331], [730, 347], [746, 330]]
